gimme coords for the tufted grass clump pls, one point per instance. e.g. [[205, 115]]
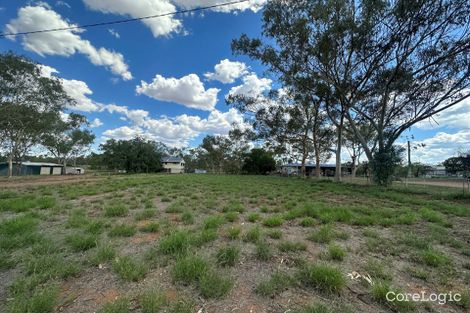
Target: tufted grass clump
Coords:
[[129, 269], [322, 277], [228, 256]]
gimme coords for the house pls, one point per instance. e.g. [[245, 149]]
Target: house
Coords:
[[173, 165], [31, 168], [437, 171], [327, 170], [74, 171]]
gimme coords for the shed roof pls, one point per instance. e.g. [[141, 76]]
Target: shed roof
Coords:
[[172, 159], [27, 163], [322, 165]]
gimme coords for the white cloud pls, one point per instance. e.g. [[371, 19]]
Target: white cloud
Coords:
[[96, 123], [188, 91], [80, 92], [124, 133], [252, 86], [114, 33], [253, 5], [457, 117], [161, 26], [227, 71], [63, 3], [64, 43], [442, 146]]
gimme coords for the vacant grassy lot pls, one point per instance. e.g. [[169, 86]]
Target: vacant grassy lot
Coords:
[[201, 243]]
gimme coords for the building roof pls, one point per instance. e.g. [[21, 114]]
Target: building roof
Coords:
[[27, 163], [324, 165], [172, 159]]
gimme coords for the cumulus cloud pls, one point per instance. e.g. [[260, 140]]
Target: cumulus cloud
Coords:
[[457, 116], [162, 26], [188, 91], [64, 43], [442, 145], [227, 71], [253, 5], [252, 86], [96, 123]]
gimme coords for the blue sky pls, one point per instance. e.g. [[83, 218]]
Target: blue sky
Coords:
[[166, 79]]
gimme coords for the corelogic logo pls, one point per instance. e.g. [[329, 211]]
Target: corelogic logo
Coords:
[[440, 298]]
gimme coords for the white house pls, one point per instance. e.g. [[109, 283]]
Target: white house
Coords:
[[173, 165]]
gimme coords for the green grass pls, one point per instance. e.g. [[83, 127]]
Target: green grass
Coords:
[[152, 227], [253, 234], [152, 301], [103, 253], [253, 217], [228, 255], [233, 232], [129, 269], [316, 308], [175, 243], [122, 230], [434, 258], [189, 269], [275, 234], [215, 285], [118, 306], [379, 293], [324, 235], [308, 222], [291, 246], [213, 222], [277, 283], [322, 277], [43, 300], [336, 252], [116, 210], [144, 215], [187, 217], [82, 242], [273, 221], [263, 251], [377, 269], [231, 216]]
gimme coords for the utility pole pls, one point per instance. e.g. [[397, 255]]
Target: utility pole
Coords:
[[409, 160]]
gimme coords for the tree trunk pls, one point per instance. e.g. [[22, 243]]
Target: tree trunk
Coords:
[[317, 163], [338, 149], [354, 167], [302, 166], [10, 165], [64, 170]]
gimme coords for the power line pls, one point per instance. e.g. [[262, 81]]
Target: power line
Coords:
[[4, 35]]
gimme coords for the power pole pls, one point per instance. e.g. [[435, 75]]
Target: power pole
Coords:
[[409, 160]]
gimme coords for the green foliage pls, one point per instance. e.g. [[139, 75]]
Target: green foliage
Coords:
[[103, 253], [379, 293], [433, 258], [43, 300], [314, 309], [135, 156], [335, 252], [253, 217], [252, 235], [273, 221], [307, 222], [263, 251], [151, 227], [118, 306], [275, 234], [290, 246], [233, 232], [152, 301], [324, 235], [258, 162], [175, 243], [187, 217]]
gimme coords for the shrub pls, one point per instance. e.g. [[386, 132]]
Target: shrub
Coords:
[[322, 277], [228, 255], [214, 285], [129, 269]]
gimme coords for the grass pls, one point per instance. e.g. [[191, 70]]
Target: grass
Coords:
[[278, 282], [228, 256], [118, 306], [223, 228], [291, 246], [129, 269], [322, 277], [336, 252], [122, 230], [116, 210], [152, 301], [273, 221], [189, 269], [379, 293], [82, 242], [214, 285], [433, 258]]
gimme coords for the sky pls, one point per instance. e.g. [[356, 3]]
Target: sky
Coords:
[[167, 78]]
